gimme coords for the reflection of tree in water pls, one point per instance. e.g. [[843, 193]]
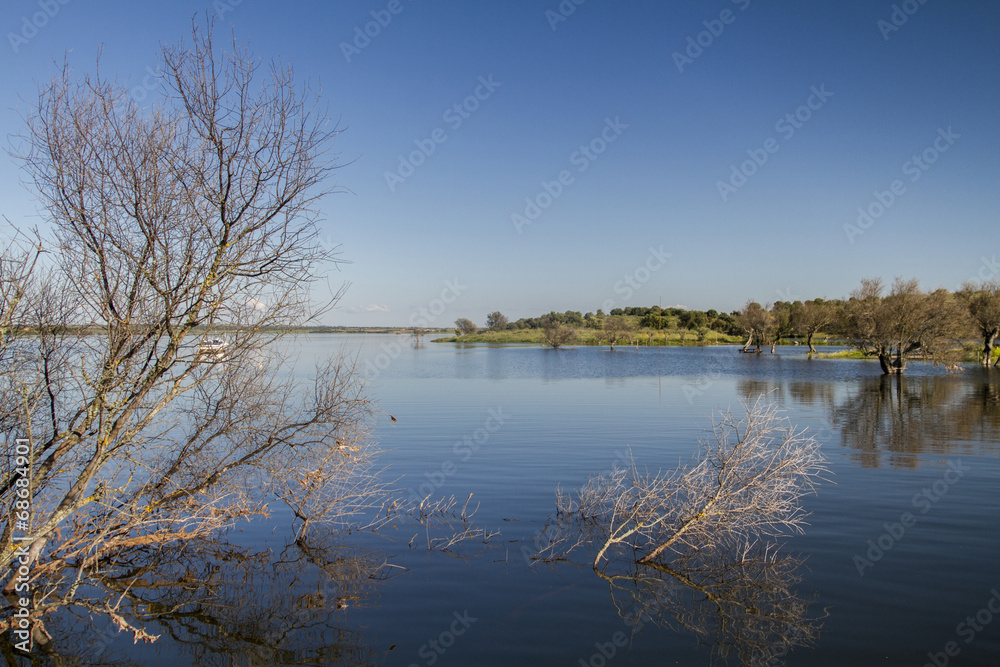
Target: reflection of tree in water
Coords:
[[741, 604], [803, 392], [215, 605], [977, 418], [751, 389], [900, 418], [897, 419], [812, 393]]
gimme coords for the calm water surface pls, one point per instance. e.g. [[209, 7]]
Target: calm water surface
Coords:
[[556, 417]]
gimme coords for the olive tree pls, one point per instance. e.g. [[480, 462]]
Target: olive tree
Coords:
[[557, 334], [810, 317], [616, 328], [190, 219], [757, 322], [464, 326], [899, 324], [983, 305], [496, 321]]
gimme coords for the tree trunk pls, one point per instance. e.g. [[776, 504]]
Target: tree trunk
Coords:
[[747, 345], [988, 349], [773, 343], [809, 342], [889, 365]]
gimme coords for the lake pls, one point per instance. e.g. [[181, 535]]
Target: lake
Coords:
[[900, 562]]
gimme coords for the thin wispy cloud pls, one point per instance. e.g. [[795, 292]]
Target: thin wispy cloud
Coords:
[[370, 308]]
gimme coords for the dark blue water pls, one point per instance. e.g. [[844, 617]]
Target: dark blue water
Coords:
[[510, 424]]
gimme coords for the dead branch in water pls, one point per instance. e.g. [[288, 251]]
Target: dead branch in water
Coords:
[[747, 483]]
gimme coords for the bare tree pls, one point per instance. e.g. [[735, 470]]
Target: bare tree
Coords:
[[902, 323], [191, 219], [746, 484], [690, 548], [983, 305]]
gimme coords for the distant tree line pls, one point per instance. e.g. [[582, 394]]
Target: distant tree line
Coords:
[[651, 317], [893, 325]]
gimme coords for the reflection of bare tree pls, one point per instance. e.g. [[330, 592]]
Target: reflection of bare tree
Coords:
[[741, 604], [218, 605], [899, 418]]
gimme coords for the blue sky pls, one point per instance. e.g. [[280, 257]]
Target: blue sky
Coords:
[[624, 153]]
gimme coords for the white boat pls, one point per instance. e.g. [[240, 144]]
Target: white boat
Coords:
[[213, 346]]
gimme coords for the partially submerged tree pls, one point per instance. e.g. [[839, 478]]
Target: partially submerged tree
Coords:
[[557, 334], [746, 484], [616, 328], [810, 317], [983, 305], [691, 547], [907, 321], [781, 323], [756, 321], [192, 219]]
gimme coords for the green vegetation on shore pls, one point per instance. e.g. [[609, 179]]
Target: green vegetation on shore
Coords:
[[845, 354], [589, 337]]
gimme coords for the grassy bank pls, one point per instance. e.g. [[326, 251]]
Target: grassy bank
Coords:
[[843, 354], [588, 336]]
